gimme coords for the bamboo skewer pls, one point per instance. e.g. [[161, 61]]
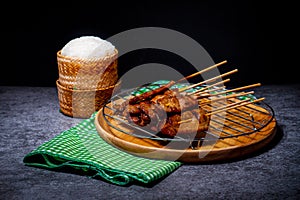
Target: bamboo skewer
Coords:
[[202, 71], [210, 86], [235, 106], [224, 97], [228, 107], [232, 90], [212, 90], [208, 80], [184, 121]]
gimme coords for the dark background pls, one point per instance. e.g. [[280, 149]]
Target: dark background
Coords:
[[253, 37]]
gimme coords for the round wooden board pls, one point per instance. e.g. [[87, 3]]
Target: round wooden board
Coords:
[[218, 150]]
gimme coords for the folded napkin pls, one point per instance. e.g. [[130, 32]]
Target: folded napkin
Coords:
[[82, 149]]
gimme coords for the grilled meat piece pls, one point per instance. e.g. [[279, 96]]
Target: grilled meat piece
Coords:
[[170, 128], [198, 125], [150, 94], [162, 110], [174, 101]]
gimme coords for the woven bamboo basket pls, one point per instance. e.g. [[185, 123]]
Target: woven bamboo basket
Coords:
[[87, 74], [83, 103]]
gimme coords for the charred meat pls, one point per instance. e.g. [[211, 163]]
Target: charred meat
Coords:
[[162, 110]]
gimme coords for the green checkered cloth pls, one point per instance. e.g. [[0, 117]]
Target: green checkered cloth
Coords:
[[81, 149]]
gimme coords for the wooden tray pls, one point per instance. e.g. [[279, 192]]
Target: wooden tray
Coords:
[[217, 150]]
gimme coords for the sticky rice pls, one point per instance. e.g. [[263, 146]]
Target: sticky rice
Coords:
[[88, 47]]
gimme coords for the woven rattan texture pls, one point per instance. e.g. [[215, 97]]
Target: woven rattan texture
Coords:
[[82, 103], [83, 74]]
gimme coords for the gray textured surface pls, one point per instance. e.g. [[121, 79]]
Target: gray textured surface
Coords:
[[29, 116]]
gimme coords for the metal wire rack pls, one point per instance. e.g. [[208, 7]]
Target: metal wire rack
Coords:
[[241, 121]]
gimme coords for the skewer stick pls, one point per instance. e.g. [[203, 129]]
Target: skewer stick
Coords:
[[209, 86], [233, 90], [231, 107], [184, 121], [208, 91], [202, 71], [228, 107], [208, 80], [225, 97]]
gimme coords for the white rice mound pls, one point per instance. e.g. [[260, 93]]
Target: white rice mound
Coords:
[[88, 47]]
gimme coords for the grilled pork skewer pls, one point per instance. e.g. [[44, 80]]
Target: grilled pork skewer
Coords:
[[163, 112], [150, 94]]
